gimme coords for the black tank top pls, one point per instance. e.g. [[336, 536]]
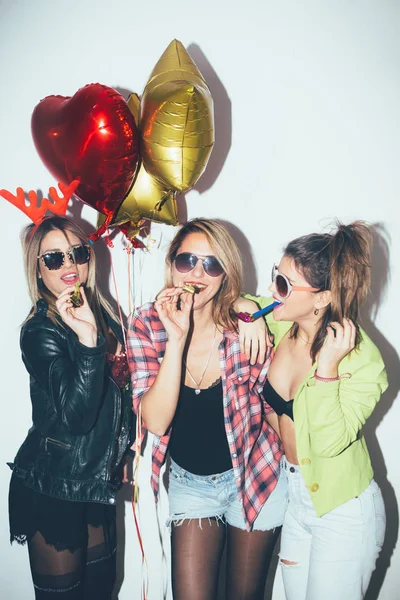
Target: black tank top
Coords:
[[198, 441], [280, 406]]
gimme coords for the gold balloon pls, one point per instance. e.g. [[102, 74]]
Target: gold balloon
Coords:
[[134, 106], [147, 199], [132, 231], [177, 120]]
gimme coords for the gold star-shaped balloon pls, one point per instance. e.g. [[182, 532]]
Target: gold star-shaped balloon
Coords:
[[147, 199], [176, 120]]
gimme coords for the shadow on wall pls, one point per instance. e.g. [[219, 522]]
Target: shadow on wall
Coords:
[[223, 129], [249, 269], [222, 120], [379, 283], [103, 255]]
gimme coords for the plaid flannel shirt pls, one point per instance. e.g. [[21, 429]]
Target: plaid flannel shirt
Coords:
[[254, 446]]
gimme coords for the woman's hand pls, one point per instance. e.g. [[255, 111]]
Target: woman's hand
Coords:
[[81, 320], [340, 340], [176, 321], [255, 338], [127, 468]]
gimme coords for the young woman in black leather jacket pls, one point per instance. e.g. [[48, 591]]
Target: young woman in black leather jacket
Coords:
[[67, 472]]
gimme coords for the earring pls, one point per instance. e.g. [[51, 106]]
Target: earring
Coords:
[[316, 311]]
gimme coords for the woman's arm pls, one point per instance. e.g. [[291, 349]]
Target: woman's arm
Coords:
[[337, 411], [254, 338], [156, 387], [74, 384]]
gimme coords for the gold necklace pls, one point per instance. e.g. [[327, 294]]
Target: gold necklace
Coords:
[[197, 389], [301, 337]]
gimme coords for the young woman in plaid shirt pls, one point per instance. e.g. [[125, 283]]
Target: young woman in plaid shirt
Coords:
[[202, 398]]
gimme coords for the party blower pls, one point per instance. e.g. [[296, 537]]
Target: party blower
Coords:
[[248, 318]]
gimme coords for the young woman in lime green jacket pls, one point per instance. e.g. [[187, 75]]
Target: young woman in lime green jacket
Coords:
[[324, 382]]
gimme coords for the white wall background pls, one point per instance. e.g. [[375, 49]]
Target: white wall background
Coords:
[[307, 98]]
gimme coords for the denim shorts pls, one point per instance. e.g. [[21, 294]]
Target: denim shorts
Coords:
[[215, 496]]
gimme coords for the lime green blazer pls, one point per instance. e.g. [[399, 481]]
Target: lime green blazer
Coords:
[[328, 418]]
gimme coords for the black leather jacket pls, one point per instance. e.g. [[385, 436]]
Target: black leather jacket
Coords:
[[82, 421]]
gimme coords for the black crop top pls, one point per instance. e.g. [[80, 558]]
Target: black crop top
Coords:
[[198, 441], [280, 406]]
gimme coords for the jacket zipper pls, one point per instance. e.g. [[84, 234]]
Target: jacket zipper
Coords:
[[112, 453], [56, 443]]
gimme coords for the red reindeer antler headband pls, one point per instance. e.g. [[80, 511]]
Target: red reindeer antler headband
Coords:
[[36, 213]]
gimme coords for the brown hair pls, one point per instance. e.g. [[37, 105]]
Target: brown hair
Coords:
[[339, 262], [228, 255], [31, 238]]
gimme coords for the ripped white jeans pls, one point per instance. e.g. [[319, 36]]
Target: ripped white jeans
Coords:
[[335, 554]]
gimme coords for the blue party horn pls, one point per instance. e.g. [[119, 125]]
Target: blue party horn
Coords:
[[248, 318]]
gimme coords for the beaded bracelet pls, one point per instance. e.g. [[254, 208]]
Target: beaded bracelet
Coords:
[[329, 379]]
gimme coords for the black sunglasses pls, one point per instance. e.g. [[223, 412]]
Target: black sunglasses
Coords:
[[186, 261], [54, 260]]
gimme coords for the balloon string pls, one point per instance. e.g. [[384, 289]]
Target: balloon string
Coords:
[[135, 503], [138, 444], [118, 302], [130, 259], [135, 487], [164, 561]]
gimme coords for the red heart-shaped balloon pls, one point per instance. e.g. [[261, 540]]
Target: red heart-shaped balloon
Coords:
[[92, 137]]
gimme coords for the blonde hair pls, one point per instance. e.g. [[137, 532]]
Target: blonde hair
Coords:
[[31, 239], [227, 253]]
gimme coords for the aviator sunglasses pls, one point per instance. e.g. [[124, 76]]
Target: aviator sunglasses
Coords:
[[186, 261], [284, 287], [54, 260]]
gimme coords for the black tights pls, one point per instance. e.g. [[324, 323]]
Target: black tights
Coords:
[[196, 555], [88, 573]]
